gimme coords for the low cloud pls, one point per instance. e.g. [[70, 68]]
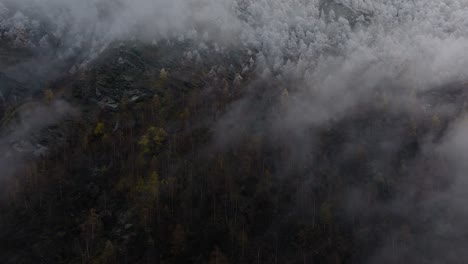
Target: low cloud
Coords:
[[20, 138], [314, 65]]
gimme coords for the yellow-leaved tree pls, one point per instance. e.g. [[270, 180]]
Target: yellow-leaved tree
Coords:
[[153, 139]]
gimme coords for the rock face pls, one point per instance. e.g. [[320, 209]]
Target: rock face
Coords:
[[334, 9]]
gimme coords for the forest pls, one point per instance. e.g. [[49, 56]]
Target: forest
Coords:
[[233, 131]]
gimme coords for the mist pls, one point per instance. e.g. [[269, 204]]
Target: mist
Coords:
[[316, 63]]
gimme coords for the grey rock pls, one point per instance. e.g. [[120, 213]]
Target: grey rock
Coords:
[[108, 102]]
